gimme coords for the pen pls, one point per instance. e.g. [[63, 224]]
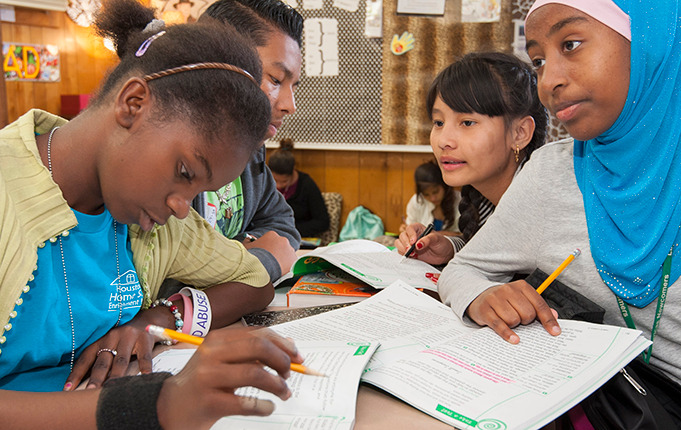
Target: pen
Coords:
[[411, 249], [168, 334], [559, 269]]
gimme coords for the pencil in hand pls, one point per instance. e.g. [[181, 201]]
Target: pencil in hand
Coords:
[[168, 334], [412, 248], [559, 269], [305, 370]]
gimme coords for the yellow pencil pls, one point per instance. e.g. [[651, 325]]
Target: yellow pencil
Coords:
[[559, 269], [168, 334]]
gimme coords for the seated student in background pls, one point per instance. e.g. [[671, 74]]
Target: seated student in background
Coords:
[[300, 191], [612, 75], [250, 209], [434, 201], [96, 214], [487, 120]]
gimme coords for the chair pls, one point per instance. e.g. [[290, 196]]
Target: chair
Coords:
[[334, 204]]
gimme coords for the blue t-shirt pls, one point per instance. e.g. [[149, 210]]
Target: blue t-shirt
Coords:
[[37, 353]]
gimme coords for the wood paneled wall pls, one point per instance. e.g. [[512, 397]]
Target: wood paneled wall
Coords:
[[84, 60], [382, 182]]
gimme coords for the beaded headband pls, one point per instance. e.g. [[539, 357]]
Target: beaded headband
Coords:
[[199, 66]]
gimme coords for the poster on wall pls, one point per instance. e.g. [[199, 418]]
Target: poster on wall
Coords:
[[22, 62], [180, 11], [321, 47], [480, 10]]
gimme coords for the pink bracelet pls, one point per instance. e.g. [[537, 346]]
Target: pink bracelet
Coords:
[[198, 315]]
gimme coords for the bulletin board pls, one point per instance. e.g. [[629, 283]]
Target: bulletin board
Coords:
[[345, 108], [378, 97], [439, 41]]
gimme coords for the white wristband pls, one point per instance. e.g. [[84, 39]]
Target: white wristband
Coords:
[[202, 315]]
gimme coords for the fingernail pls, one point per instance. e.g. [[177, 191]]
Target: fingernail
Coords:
[[555, 330], [419, 245], [514, 339], [90, 386], [67, 386]]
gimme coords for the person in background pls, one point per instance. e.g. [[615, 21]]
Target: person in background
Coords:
[[300, 191], [487, 121], [96, 214], [434, 201], [250, 209], [610, 71]]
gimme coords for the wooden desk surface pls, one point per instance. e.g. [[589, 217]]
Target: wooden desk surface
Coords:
[[379, 411]]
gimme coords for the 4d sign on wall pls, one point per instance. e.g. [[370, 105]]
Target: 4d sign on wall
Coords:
[[30, 62]]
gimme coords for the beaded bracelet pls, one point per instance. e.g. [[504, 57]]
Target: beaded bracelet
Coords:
[[176, 313]]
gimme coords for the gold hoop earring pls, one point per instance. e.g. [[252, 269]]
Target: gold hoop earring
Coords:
[[517, 153]]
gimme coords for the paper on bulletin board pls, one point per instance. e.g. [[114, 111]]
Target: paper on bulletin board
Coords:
[[421, 7], [349, 5], [321, 47], [373, 24], [519, 40], [313, 4], [480, 10]]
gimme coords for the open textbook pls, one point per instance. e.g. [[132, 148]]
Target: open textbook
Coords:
[[469, 377], [316, 402], [370, 262]]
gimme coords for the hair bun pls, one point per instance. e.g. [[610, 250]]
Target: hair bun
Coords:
[[286, 144]]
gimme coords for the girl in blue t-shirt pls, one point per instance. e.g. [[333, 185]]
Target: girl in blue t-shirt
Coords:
[[180, 114]]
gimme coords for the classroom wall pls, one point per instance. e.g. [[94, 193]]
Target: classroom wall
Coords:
[[84, 60], [380, 181]]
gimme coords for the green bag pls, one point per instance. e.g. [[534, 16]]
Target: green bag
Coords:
[[361, 224]]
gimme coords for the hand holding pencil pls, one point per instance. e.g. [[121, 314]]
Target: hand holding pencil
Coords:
[[230, 358], [503, 307], [168, 334], [426, 245]]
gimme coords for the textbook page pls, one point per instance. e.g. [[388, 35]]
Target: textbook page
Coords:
[[316, 402], [370, 262], [482, 381], [468, 376], [400, 316]]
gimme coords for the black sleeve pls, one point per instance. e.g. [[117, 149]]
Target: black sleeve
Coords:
[[315, 218]]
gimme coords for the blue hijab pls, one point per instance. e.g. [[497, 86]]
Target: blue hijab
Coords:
[[630, 176]]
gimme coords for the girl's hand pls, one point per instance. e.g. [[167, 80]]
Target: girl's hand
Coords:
[[433, 248], [228, 359], [127, 340], [505, 306]]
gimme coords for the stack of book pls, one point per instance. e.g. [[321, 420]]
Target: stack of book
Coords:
[[352, 271]]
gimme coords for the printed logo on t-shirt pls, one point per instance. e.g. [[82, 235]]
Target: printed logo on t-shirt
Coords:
[[130, 292]]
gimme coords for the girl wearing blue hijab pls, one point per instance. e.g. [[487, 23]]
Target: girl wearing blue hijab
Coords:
[[630, 175], [609, 70]]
